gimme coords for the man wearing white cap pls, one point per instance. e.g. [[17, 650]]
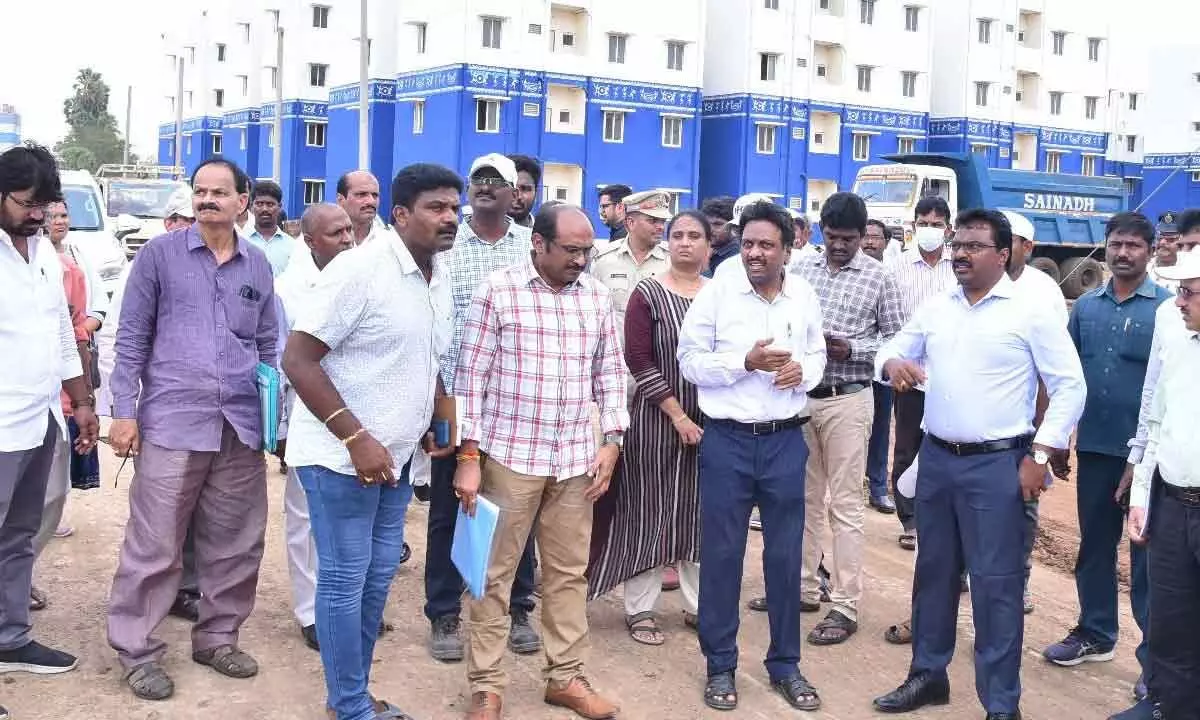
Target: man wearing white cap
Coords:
[[1169, 478], [1034, 281], [487, 240]]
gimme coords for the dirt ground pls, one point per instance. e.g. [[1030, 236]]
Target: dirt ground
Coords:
[[651, 683]]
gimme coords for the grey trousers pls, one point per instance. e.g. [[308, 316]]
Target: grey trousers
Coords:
[[58, 486], [23, 478], [222, 496]]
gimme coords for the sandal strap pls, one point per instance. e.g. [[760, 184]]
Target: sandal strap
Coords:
[[633, 621]]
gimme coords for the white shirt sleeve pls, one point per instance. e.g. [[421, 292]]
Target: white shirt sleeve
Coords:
[[698, 360], [909, 343], [338, 302], [1137, 445], [1058, 365], [1139, 493], [815, 356]]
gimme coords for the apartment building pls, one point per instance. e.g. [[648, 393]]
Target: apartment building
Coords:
[[1171, 172], [799, 94], [10, 127]]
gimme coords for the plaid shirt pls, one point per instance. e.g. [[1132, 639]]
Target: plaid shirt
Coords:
[[468, 264], [859, 303], [533, 361]]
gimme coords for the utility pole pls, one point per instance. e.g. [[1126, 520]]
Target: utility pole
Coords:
[[178, 113], [277, 170], [128, 108], [364, 118]]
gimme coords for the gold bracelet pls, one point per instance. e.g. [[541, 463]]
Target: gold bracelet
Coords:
[[467, 457], [335, 414], [354, 436]]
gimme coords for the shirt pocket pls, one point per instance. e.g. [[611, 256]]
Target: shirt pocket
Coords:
[[1136, 340], [243, 315]]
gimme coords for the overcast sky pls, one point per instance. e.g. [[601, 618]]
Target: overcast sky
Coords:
[[44, 43]]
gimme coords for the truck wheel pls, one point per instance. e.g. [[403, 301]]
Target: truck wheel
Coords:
[[1081, 275], [1047, 266]]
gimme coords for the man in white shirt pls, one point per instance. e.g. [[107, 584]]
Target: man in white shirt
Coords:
[[1169, 478], [358, 195], [363, 359], [40, 359], [753, 345], [985, 346], [327, 232]]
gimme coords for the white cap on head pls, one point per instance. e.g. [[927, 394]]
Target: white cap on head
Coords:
[[746, 201], [1021, 227], [180, 203], [501, 164], [797, 216], [1186, 267]]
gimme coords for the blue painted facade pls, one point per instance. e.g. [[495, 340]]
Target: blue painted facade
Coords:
[[241, 139], [341, 155], [1170, 182], [731, 164], [198, 135], [299, 161], [447, 96], [10, 129]]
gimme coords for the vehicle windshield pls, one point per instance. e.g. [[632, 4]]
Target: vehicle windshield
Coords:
[[897, 189], [144, 199], [83, 207]]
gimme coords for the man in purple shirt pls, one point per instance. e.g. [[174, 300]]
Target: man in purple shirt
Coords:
[[197, 318]]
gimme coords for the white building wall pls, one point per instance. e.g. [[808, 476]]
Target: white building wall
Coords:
[[1173, 103]]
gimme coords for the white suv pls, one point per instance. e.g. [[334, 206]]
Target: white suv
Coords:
[[90, 231]]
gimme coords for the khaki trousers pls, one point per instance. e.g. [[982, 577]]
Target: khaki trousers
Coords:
[[837, 436], [563, 518]]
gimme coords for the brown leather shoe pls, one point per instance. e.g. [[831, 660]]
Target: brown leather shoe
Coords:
[[579, 696], [484, 706]]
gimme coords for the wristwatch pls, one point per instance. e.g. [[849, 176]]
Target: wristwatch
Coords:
[[617, 439], [1040, 457]]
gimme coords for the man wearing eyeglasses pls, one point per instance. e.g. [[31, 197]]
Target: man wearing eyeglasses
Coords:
[[612, 212], [983, 346], [40, 359]]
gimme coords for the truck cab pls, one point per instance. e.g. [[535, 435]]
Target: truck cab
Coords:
[[1068, 212], [137, 197]]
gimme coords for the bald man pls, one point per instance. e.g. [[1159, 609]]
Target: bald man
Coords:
[[358, 195], [327, 232]]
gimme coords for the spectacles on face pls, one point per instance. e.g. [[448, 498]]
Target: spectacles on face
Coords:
[[488, 180], [970, 248], [1186, 293], [29, 204]]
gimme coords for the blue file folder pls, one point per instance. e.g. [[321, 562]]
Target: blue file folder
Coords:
[[268, 401], [472, 548]]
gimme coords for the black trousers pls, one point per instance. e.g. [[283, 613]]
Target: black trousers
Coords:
[[1174, 553], [909, 410]]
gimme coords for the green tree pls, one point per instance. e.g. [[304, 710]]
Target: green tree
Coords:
[[93, 139]]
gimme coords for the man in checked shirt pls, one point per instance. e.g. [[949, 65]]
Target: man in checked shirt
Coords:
[[540, 344], [860, 306]]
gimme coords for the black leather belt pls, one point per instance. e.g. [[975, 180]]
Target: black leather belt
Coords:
[[981, 448], [1189, 496], [821, 392], [761, 428]]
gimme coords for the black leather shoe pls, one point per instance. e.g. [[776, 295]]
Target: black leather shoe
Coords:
[[309, 633], [916, 692], [1004, 716], [186, 606]]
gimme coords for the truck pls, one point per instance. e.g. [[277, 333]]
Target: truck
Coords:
[[137, 197], [1068, 212]]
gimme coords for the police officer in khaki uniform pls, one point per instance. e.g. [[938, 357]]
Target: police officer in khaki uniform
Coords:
[[638, 255]]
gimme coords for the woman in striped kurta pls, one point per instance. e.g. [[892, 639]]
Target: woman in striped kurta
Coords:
[[657, 516]]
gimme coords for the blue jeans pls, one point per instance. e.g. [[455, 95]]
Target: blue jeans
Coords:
[[359, 533], [877, 448]]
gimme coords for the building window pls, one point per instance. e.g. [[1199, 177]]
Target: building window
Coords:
[[908, 83], [1196, 127], [798, 133], [191, 55], [1053, 162], [271, 136], [1056, 103], [531, 109], [314, 134], [771, 4], [980, 149], [616, 48], [220, 52], [317, 73], [535, 29], [981, 94], [912, 18], [985, 32], [1089, 107], [245, 28], [674, 55], [314, 191], [491, 32], [219, 97], [245, 82], [1133, 98], [242, 139], [422, 30], [1094, 49], [274, 78], [1059, 41], [418, 117], [187, 144], [564, 117], [568, 39], [217, 145], [614, 126], [487, 116], [864, 78], [320, 16], [906, 145], [672, 131], [862, 147], [866, 12], [1131, 143], [818, 138], [1089, 165], [766, 66], [189, 99], [765, 138]]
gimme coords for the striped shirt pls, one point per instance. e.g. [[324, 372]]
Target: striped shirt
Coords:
[[533, 361], [859, 303], [917, 281], [468, 264]]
